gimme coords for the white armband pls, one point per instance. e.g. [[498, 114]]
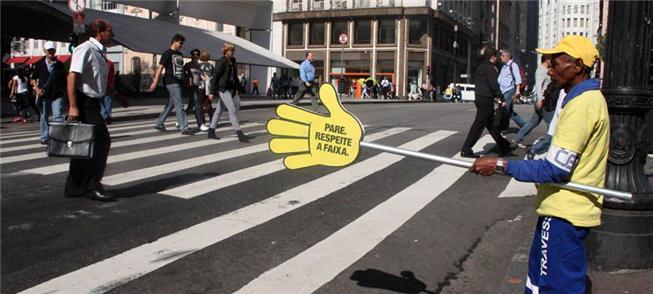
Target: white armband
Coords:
[[562, 158]]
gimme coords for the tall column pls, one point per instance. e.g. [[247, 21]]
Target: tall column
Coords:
[[625, 238]]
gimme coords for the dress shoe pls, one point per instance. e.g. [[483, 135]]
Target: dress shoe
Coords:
[[211, 134], [161, 128], [108, 120], [468, 154], [100, 195], [242, 137], [506, 153], [188, 132]]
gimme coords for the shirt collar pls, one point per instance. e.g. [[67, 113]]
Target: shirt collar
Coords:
[[98, 45], [582, 87]]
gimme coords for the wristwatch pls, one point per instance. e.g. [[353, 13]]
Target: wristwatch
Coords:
[[500, 166]]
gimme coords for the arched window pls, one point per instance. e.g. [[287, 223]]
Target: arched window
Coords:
[[136, 65]]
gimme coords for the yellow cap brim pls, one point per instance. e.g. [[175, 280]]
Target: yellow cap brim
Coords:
[[549, 50]]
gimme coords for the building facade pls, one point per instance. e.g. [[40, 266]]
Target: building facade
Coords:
[[560, 18], [406, 41]]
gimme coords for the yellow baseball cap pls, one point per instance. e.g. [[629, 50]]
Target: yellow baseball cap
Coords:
[[576, 47]]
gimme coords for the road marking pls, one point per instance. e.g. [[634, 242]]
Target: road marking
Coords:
[[518, 189], [42, 154], [144, 173], [216, 183], [57, 168], [309, 270], [141, 260]]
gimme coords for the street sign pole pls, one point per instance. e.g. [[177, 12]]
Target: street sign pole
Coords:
[[343, 38]]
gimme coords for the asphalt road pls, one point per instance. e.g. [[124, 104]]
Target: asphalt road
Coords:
[[195, 216]]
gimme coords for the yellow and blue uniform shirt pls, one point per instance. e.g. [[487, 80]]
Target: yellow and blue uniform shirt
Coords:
[[578, 153]]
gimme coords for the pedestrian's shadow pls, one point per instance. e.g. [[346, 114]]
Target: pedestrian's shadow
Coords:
[[406, 283]]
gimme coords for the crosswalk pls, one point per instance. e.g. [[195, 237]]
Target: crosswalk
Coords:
[[137, 142]]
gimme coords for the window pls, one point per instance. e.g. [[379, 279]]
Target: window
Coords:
[[317, 5], [295, 34], [363, 32], [295, 5], [338, 4], [337, 28], [582, 9], [136, 65], [385, 61], [575, 8], [582, 23], [108, 5], [386, 32], [569, 22], [417, 31], [316, 33], [219, 27], [575, 22]]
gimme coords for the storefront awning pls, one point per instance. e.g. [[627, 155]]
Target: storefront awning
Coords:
[[17, 60], [248, 14], [138, 34]]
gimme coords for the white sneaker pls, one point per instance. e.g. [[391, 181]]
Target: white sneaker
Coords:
[[204, 128], [177, 125]]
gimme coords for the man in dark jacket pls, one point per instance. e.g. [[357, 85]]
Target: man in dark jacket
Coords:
[[49, 82], [486, 90], [225, 86]]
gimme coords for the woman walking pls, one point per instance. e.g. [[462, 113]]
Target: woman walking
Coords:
[[225, 84], [19, 96]]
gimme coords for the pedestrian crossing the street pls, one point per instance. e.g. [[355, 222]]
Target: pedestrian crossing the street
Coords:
[[156, 154]]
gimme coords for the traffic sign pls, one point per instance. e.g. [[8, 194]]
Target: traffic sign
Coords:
[[343, 38], [76, 5], [79, 23]]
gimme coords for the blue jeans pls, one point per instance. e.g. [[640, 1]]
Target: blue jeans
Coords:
[[540, 146], [199, 116], [509, 107], [535, 120], [105, 107], [174, 92], [46, 106]]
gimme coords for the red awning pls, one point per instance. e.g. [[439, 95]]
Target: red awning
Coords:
[[17, 59], [63, 58], [34, 59]]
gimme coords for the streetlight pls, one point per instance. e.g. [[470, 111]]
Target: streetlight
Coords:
[[455, 48]]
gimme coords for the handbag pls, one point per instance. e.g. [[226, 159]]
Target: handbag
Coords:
[[71, 139], [500, 114]]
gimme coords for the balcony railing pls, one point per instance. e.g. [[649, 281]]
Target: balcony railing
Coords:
[[301, 5]]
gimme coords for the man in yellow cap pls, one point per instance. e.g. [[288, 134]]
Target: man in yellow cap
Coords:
[[578, 153]]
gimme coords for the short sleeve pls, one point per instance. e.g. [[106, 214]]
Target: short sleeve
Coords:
[[165, 58], [77, 60]]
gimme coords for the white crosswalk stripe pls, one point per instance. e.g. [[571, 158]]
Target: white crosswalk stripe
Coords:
[[41, 154], [146, 258], [215, 183], [57, 168], [340, 250]]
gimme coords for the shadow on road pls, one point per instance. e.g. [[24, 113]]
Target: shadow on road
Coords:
[[406, 283]]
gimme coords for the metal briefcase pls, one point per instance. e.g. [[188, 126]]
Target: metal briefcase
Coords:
[[71, 139]]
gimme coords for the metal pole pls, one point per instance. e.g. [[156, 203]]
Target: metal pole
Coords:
[[468, 164]]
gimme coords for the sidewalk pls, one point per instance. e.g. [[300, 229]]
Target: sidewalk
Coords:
[[150, 107]]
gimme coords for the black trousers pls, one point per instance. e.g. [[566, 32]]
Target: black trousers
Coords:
[[484, 119], [303, 90], [85, 175]]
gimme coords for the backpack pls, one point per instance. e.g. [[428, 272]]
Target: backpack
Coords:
[[522, 74]]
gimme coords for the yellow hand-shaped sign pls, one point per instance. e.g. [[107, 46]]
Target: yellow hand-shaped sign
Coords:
[[310, 138]]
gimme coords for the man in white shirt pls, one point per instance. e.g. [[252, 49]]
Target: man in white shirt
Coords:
[[87, 84], [509, 83]]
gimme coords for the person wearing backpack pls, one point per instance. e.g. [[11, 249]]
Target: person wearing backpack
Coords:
[[510, 84], [542, 82]]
